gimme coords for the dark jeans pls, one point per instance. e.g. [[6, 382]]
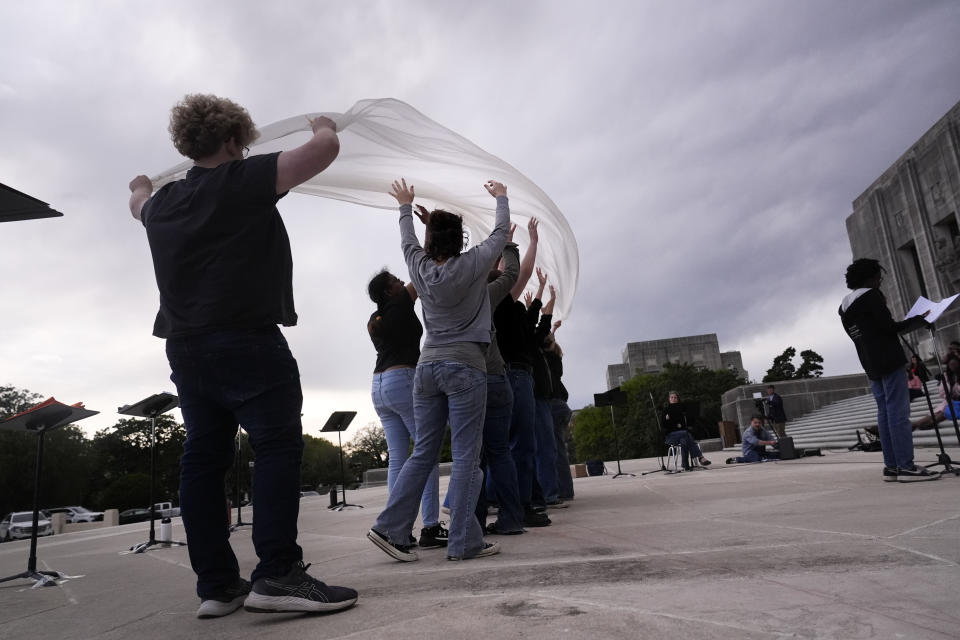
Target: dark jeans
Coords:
[[546, 458], [523, 444], [561, 420], [690, 447], [497, 460], [245, 377]]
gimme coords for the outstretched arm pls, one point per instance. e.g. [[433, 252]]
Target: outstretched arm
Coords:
[[298, 165], [140, 190], [529, 259], [408, 238]]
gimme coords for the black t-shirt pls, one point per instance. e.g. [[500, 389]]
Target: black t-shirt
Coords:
[[556, 372], [221, 254], [515, 328], [396, 334]]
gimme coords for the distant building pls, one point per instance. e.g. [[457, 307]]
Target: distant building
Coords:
[[907, 219], [650, 356]]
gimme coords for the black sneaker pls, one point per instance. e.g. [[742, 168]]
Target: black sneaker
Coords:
[[731, 461], [889, 474], [532, 518], [489, 549], [400, 552], [226, 602], [493, 529], [704, 462], [916, 474], [297, 591], [557, 504], [434, 537]]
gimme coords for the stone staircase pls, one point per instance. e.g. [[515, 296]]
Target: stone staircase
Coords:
[[834, 426]]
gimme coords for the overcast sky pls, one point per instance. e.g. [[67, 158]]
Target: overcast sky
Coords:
[[705, 154]]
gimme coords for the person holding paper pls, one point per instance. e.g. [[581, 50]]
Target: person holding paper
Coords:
[[875, 334]]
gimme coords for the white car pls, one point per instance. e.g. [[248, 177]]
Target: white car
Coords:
[[19, 525], [78, 514]]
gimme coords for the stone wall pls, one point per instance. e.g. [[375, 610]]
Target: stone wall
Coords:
[[800, 397]]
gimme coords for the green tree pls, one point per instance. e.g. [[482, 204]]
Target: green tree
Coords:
[[811, 367], [321, 462], [368, 448], [782, 367], [637, 427]]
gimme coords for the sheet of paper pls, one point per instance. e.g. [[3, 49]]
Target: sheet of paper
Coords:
[[936, 309]]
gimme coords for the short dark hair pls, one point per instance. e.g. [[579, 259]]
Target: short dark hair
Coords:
[[770, 386], [861, 271], [756, 416], [446, 235], [379, 287]]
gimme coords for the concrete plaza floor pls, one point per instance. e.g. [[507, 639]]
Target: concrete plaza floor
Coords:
[[811, 548]]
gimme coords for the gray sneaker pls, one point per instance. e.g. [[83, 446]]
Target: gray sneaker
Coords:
[[297, 591], [916, 474], [889, 474], [400, 552], [226, 602], [489, 549]]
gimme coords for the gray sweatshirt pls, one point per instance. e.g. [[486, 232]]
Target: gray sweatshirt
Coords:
[[453, 295], [498, 290]]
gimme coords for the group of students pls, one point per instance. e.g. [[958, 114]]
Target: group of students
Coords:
[[489, 367]]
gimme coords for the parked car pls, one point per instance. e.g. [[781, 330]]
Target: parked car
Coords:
[[19, 525], [134, 515], [166, 510], [78, 514]]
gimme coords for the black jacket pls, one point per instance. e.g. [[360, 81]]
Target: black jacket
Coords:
[[874, 332]]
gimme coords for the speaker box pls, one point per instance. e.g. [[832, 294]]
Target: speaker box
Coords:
[[787, 452]]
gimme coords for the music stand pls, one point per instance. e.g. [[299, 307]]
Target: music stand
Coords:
[[237, 465], [613, 397], [656, 414], [339, 421], [151, 407], [46, 416]]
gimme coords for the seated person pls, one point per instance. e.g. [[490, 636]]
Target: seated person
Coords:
[[675, 430], [949, 387], [914, 385], [755, 442]]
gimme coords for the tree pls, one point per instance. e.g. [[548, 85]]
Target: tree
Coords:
[[637, 427], [369, 446], [782, 367], [811, 366], [321, 462]]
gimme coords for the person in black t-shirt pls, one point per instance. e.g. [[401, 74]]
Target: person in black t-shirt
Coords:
[[223, 266], [675, 428], [395, 332], [560, 410]]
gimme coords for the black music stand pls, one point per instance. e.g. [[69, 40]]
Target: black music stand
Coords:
[[46, 416], [609, 399], [237, 466], [151, 407], [656, 415], [339, 421]]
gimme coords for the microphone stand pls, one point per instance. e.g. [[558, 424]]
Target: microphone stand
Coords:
[[663, 466]]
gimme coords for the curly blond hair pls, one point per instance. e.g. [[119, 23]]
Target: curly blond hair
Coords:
[[201, 123]]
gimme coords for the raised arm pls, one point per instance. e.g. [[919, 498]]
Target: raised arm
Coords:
[[488, 250], [140, 191], [529, 259], [298, 165], [499, 288], [542, 277], [409, 243]]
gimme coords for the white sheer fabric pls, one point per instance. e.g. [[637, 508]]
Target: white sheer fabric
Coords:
[[382, 140]]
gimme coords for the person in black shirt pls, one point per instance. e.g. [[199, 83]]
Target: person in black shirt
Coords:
[[546, 458], [876, 336], [395, 332], [224, 270], [675, 428], [561, 412]]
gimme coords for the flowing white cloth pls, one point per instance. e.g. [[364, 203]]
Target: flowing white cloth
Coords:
[[386, 139]]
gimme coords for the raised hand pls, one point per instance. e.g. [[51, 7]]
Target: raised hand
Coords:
[[423, 214], [495, 188], [321, 122], [553, 293], [402, 192], [556, 325], [141, 183], [532, 229], [528, 299], [542, 277], [513, 227]]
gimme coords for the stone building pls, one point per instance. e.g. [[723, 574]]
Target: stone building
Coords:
[[907, 219], [650, 356]]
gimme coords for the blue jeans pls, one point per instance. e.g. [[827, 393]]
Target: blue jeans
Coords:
[[546, 458], [442, 391], [689, 446], [523, 443], [561, 419], [392, 395], [501, 470], [250, 378], [893, 419]]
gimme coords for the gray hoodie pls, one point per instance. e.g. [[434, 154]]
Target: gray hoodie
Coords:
[[453, 295]]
